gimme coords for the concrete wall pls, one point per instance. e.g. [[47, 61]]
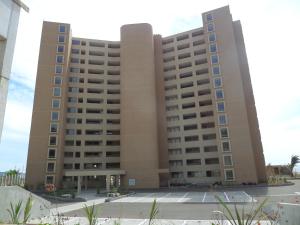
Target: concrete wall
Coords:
[[289, 214], [9, 19], [14, 194], [139, 143]]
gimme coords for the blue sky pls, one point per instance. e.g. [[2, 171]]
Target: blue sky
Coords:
[[271, 32]]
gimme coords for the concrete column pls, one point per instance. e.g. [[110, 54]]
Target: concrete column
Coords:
[[85, 183], [107, 182], [79, 185]]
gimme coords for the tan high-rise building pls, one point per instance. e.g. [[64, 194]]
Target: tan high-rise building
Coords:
[[146, 111]]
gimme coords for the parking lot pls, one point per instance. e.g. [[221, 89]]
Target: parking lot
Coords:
[[189, 197]]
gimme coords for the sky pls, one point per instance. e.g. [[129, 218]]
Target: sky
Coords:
[[271, 32]]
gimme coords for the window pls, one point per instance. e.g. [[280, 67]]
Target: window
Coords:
[[210, 27], [71, 110], [59, 59], [213, 47], [75, 51], [229, 175], [209, 17], [53, 127], [214, 59], [61, 38], [220, 106], [217, 82], [62, 28], [60, 48], [55, 103], [57, 80], [54, 116], [52, 140], [50, 167], [226, 146], [222, 119], [191, 138], [219, 94], [227, 160], [212, 37], [74, 60], [224, 132], [70, 131], [51, 153], [49, 180], [216, 70], [192, 150], [58, 69], [75, 42], [56, 91]]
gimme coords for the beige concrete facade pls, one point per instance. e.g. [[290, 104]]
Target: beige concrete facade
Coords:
[[147, 111]]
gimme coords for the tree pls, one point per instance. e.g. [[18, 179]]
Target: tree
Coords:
[[294, 161], [12, 172]]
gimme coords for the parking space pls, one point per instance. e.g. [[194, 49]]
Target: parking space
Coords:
[[188, 197]]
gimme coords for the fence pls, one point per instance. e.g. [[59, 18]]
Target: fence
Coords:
[[10, 180]]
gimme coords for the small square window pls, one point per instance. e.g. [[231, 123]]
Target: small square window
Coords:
[[49, 180], [55, 103], [62, 28], [222, 119], [61, 39], [54, 116], [217, 82], [209, 17], [53, 128], [227, 160], [229, 175], [213, 47], [59, 59], [60, 48], [56, 91], [220, 106], [226, 146], [52, 140], [57, 80], [50, 167], [51, 153], [58, 69], [216, 70], [219, 94], [210, 27], [212, 37], [214, 59], [224, 132]]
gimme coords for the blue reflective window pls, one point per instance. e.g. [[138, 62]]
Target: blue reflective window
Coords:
[[210, 27], [54, 116], [58, 69], [219, 94], [57, 80], [56, 91], [59, 59], [216, 70], [55, 103], [212, 37], [217, 82], [220, 106], [60, 48], [213, 48], [61, 39], [222, 119], [209, 17], [62, 28], [214, 59], [75, 42]]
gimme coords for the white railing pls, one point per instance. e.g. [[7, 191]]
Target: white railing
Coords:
[[10, 180]]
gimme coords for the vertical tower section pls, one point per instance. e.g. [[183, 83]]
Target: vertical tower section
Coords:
[[139, 142], [45, 154]]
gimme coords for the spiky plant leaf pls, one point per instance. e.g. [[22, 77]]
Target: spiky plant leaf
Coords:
[[153, 212]]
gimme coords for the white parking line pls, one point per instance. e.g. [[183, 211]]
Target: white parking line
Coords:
[[162, 197], [183, 197], [144, 221], [142, 198], [297, 193], [226, 196], [204, 197]]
